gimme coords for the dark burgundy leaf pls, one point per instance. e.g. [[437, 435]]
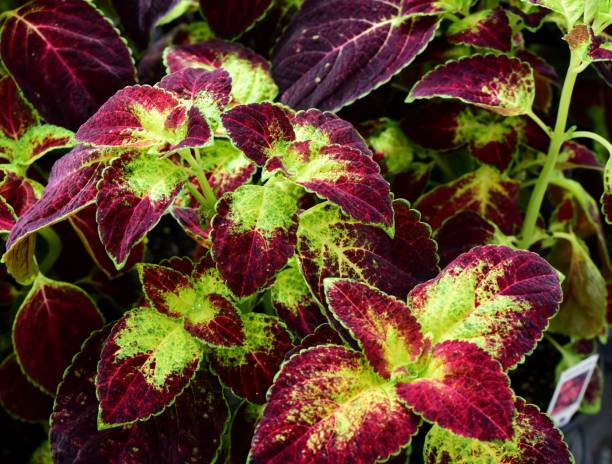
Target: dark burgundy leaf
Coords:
[[336, 51], [188, 431], [49, 328], [71, 187], [67, 87], [19, 397], [461, 233], [231, 18]]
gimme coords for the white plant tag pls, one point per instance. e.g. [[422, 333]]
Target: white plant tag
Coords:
[[570, 390]]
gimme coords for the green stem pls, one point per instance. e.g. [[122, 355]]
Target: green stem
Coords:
[[54, 248], [593, 136], [208, 197], [557, 139], [534, 117]]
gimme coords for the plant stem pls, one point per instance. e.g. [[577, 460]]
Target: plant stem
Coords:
[[534, 117], [557, 139], [207, 198], [593, 136], [54, 248]]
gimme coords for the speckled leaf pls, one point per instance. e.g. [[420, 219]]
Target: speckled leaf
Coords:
[[19, 397], [249, 369], [331, 244], [16, 115], [535, 441], [496, 297], [85, 225], [388, 333], [491, 138], [148, 360], [317, 66], [71, 186], [462, 389], [485, 28], [254, 235], [309, 156], [251, 75], [327, 405], [462, 232], [50, 326], [294, 303], [134, 193], [188, 431], [199, 299], [231, 18], [482, 191], [495, 82], [68, 87], [583, 311], [145, 117], [140, 17]]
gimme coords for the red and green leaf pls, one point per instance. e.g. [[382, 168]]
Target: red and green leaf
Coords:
[[463, 390], [331, 244], [68, 87], [19, 397], [251, 75], [388, 333], [294, 303], [482, 191], [485, 29], [231, 18], [134, 193], [254, 235], [36, 142], [328, 405], [144, 117], [249, 369], [188, 431], [308, 154], [208, 91], [535, 439], [71, 187], [198, 298], [606, 198], [148, 359], [16, 115], [496, 82], [49, 327], [316, 67], [496, 297]]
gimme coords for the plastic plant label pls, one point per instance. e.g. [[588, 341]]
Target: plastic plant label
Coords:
[[570, 390]]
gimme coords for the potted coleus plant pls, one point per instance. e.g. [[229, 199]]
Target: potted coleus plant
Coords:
[[349, 277]]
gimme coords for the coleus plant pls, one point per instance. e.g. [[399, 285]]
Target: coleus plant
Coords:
[[348, 277]]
